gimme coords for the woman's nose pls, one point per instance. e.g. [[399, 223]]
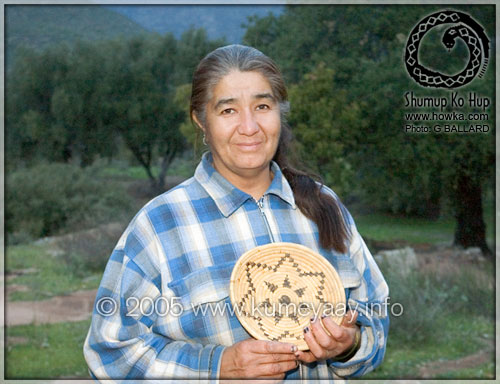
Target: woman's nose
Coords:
[[248, 124]]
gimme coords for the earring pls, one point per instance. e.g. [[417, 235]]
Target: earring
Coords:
[[204, 140]]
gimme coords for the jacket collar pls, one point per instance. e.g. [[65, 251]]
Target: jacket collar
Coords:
[[227, 197]]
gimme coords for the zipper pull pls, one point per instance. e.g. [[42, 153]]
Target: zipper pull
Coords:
[[260, 202]]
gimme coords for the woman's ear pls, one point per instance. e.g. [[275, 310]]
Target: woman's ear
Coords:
[[197, 122]]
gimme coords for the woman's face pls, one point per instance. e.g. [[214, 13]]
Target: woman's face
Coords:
[[242, 124]]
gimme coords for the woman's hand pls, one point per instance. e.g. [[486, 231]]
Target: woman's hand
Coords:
[[258, 359], [323, 346]]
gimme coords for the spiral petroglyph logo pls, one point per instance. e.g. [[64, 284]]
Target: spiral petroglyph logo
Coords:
[[464, 27]]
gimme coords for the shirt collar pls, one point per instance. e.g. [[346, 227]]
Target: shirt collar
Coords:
[[227, 197]]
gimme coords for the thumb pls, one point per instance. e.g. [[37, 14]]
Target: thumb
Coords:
[[349, 319]]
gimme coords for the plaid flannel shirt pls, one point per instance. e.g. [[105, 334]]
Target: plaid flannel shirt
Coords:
[[177, 256]]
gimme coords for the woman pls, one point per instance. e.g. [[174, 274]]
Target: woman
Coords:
[[179, 250]]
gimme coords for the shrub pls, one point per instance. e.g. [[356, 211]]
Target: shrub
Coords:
[[50, 199], [429, 298], [88, 251]]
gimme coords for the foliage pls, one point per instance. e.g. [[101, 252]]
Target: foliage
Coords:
[[52, 111], [392, 170], [320, 114], [432, 297], [137, 101], [397, 172], [340, 36], [438, 309], [28, 106], [87, 252], [55, 198]]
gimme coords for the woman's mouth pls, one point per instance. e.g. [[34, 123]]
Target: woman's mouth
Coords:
[[248, 146]]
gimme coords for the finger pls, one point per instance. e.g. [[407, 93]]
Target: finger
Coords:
[[321, 336], [276, 368], [305, 356], [316, 349], [348, 334], [274, 358], [268, 347], [337, 332], [350, 318]]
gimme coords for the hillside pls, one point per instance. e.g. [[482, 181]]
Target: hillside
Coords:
[[218, 20], [39, 26]]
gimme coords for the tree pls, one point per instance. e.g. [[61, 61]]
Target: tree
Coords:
[[32, 131], [320, 114], [53, 107], [138, 102], [77, 103]]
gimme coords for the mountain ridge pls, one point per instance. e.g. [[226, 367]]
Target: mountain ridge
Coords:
[[218, 20], [41, 26]]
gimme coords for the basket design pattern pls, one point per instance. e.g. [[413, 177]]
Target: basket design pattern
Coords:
[[278, 287]]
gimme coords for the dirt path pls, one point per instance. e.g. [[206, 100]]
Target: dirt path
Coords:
[[431, 370], [76, 306]]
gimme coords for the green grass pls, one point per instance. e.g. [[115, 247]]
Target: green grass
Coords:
[[53, 350], [52, 277], [385, 227], [461, 336], [382, 227], [181, 166]]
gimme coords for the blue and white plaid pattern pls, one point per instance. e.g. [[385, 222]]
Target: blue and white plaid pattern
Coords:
[[181, 247]]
